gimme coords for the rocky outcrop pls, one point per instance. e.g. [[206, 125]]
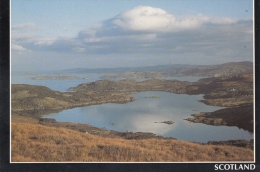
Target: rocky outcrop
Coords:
[[50, 120], [241, 117], [207, 120]]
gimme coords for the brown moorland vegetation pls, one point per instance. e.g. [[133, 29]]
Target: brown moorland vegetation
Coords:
[[36, 143]]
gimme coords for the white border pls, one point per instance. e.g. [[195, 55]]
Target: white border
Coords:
[[10, 80], [207, 162]]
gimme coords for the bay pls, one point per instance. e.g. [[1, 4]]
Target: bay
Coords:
[[146, 114]]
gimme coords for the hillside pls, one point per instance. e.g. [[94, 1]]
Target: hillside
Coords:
[[37, 143], [30, 97], [223, 70]]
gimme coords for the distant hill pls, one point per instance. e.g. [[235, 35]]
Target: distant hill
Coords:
[[226, 69], [158, 68]]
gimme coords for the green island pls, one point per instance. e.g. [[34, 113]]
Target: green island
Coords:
[[154, 97]]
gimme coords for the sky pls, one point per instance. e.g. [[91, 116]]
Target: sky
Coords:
[[65, 34]]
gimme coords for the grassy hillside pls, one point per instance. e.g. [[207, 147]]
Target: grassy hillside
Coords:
[[33, 142]]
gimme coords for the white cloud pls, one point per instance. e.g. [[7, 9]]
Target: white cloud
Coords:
[[25, 26], [21, 36], [223, 20], [145, 18], [18, 47], [44, 41], [141, 37], [94, 39]]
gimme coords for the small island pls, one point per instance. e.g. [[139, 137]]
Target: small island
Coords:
[[53, 77], [154, 97], [166, 122]]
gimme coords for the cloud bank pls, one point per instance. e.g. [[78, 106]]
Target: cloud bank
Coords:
[[147, 30]]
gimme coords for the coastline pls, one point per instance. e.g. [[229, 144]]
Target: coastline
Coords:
[[49, 101]]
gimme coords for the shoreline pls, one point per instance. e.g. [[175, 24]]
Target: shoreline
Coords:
[[227, 117], [89, 129], [42, 100]]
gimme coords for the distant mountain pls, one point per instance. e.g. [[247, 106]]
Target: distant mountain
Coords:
[[158, 68], [226, 69]]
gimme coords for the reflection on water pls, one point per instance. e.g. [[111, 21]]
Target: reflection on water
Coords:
[[141, 115]]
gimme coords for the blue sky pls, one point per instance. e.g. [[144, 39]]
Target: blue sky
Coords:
[[63, 34]]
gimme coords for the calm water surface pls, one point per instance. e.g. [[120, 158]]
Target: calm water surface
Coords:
[[141, 115], [57, 85]]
